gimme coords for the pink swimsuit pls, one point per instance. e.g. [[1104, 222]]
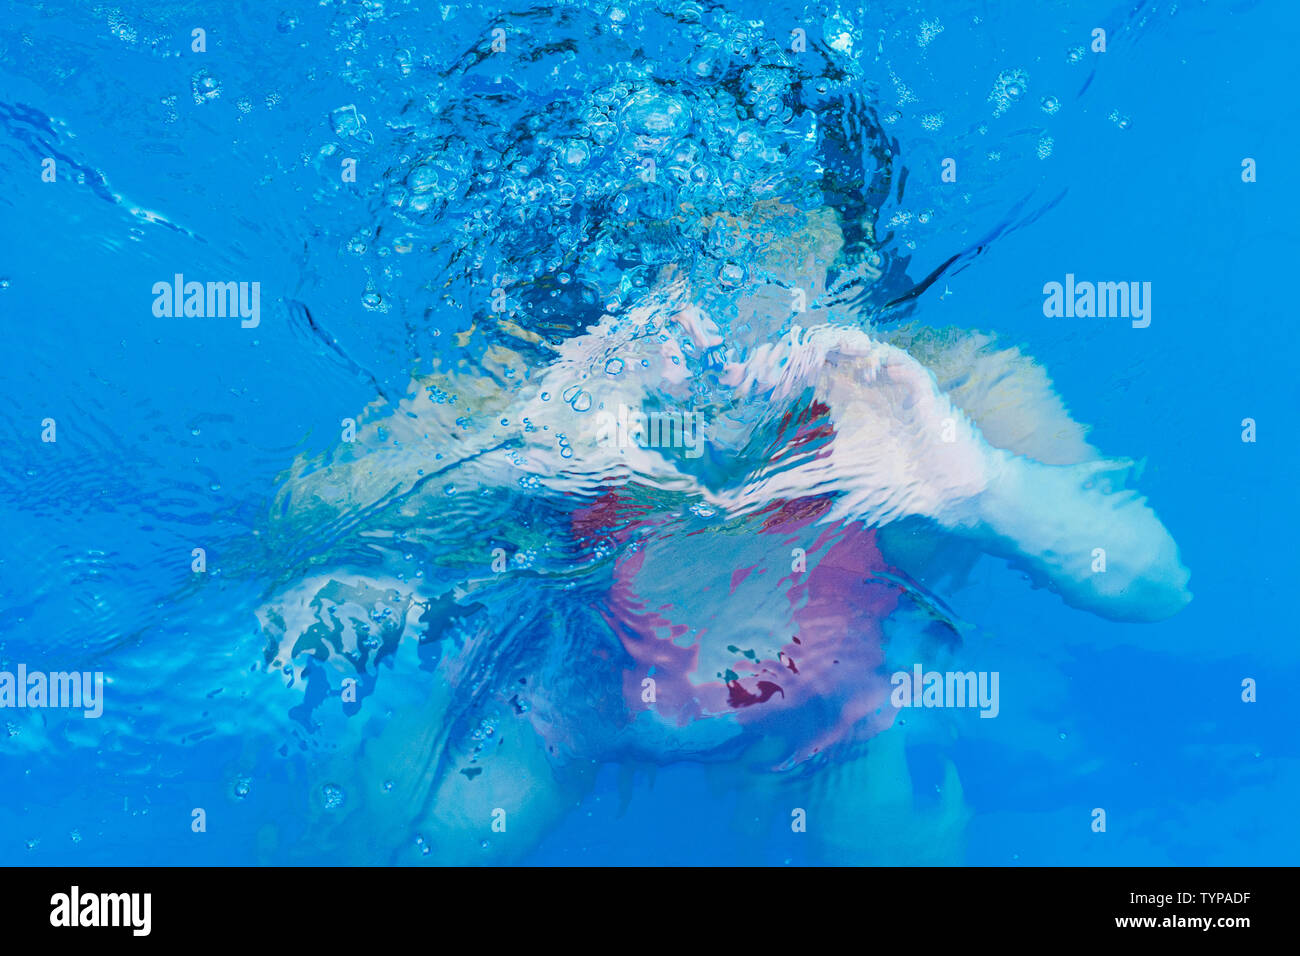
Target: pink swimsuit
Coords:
[[825, 681]]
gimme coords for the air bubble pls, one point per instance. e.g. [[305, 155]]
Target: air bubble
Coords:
[[346, 121], [205, 87], [656, 114], [576, 154], [731, 274]]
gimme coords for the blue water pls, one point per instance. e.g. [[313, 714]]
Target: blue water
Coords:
[[176, 433]]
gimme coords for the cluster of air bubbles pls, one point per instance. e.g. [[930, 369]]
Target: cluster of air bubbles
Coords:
[[838, 33], [332, 796], [366, 638], [169, 103], [928, 30], [903, 93], [1008, 89], [1051, 105], [602, 548], [583, 198]]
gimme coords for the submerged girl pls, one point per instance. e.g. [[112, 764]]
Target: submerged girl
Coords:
[[730, 602], [540, 596]]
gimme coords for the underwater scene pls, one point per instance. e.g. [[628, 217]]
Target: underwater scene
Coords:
[[648, 432]]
